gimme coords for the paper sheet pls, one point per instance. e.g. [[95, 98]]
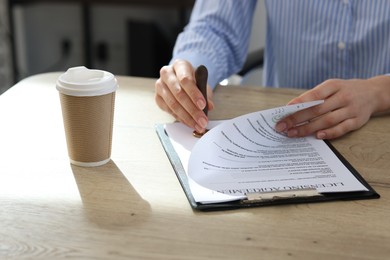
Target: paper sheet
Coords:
[[183, 142], [245, 155]]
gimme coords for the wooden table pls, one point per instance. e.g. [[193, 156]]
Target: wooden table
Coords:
[[135, 208]]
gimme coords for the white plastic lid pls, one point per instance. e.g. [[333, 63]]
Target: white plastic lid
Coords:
[[80, 81]]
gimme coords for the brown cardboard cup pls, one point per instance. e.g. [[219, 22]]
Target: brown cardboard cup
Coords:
[[88, 114]]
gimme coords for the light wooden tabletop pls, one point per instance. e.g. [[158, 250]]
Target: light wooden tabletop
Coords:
[[135, 208]]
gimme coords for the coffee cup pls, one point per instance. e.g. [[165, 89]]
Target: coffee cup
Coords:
[[87, 101]]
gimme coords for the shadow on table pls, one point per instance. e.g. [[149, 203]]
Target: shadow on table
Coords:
[[109, 199]]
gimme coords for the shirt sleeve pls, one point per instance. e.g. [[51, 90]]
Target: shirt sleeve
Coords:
[[217, 36]]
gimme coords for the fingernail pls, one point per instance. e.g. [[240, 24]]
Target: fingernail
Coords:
[[321, 135], [201, 104], [281, 126], [202, 122], [292, 133]]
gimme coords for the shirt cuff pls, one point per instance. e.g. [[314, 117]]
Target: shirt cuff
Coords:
[[196, 60]]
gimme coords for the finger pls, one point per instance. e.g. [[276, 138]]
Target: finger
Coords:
[[185, 75], [167, 102], [333, 102], [167, 76], [326, 121], [351, 122], [185, 109], [320, 92], [191, 98], [179, 80], [303, 116], [159, 90], [160, 102], [338, 130]]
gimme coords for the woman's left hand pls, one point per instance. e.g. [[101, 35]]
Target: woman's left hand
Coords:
[[348, 105]]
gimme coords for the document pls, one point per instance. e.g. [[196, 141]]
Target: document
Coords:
[[245, 155]]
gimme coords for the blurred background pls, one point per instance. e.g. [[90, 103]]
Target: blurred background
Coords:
[[125, 37]]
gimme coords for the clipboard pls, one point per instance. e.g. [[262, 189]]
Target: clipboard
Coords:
[[267, 198]]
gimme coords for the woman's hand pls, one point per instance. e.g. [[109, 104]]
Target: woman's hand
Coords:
[[176, 93], [348, 105]]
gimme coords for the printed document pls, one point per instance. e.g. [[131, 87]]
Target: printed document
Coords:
[[246, 155]]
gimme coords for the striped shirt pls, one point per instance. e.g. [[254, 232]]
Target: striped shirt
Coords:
[[308, 41]]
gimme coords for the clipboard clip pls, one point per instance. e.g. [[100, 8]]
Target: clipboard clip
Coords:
[[254, 197]]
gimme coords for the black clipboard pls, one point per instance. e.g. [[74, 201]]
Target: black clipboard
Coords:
[[272, 199]]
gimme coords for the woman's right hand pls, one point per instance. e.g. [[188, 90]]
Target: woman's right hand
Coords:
[[176, 93]]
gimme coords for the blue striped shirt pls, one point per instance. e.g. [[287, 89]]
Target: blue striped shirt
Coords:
[[308, 41]]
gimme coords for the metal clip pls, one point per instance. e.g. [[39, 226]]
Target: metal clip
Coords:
[[278, 195]]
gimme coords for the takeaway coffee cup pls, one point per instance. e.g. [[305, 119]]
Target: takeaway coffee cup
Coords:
[[87, 101]]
